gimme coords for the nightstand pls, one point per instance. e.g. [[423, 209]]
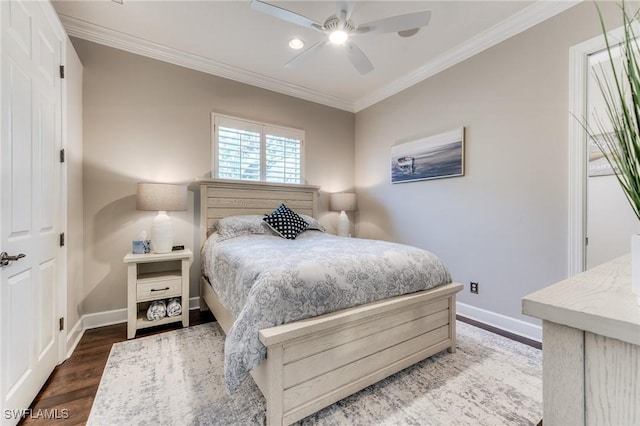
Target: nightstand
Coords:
[[156, 276]]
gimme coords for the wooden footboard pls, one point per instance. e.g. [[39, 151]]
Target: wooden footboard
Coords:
[[315, 362]]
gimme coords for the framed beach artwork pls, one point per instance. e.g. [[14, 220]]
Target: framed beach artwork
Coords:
[[431, 157]]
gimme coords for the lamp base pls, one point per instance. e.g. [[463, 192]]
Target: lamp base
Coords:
[[161, 233], [343, 224]]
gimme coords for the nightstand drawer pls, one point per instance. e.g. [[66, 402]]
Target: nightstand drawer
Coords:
[[155, 286]]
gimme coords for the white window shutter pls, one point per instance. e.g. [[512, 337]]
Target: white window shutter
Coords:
[[283, 155], [246, 150]]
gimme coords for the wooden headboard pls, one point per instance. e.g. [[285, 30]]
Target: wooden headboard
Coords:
[[221, 198]]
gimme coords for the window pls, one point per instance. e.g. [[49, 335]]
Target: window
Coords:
[[246, 150]]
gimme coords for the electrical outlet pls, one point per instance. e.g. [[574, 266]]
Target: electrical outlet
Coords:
[[473, 288]]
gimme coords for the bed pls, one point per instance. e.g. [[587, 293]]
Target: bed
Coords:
[[314, 362]]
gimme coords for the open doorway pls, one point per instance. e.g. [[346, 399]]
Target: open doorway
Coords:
[[610, 219], [600, 218]]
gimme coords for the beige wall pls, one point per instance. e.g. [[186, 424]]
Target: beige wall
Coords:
[[73, 158], [146, 120], [504, 224]]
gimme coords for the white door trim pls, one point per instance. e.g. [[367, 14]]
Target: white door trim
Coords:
[[64, 226], [577, 167], [52, 17]]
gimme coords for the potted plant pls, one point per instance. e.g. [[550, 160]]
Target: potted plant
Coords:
[[618, 138]]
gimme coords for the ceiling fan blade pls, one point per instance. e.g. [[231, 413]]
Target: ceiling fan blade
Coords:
[[344, 9], [394, 24], [284, 14], [302, 57], [358, 59]]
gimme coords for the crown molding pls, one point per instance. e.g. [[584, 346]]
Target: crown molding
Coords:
[[108, 37], [515, 24], [521, 21]]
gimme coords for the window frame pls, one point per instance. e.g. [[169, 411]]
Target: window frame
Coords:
[[265, 129]]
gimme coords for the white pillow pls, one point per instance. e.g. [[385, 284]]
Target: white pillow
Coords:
[[235, 226]]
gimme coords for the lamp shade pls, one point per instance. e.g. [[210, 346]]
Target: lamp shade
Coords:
[[161, 197], [343, 201]]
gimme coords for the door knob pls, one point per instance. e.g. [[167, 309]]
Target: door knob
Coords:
[[5, 258]]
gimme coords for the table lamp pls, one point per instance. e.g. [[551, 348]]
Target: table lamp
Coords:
[[343, 202], [161, 197]]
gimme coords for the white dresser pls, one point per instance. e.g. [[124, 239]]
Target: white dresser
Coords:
[[590, 347]]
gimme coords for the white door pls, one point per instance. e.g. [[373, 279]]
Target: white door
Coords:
[[30, 200]]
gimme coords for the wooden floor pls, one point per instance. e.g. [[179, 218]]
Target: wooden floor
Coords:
[[501, 332], [70, 390]]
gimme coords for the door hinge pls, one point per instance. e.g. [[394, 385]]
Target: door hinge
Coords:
[[61, 71], [62, 240], [61, 323], [586, 241], [62, 155]]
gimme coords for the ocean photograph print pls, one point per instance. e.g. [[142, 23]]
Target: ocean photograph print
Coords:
[[431, 157]]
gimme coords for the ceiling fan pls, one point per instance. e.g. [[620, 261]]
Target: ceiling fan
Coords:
[[339, 29]]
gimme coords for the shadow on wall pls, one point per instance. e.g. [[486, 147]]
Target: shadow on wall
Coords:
[[372, 218], [115, 226], [106, 273], [117, 215], [111, 224], [194, 273], [325, 217], [194, 187]]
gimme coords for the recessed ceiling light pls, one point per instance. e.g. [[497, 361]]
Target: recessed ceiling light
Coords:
[[296, 43]]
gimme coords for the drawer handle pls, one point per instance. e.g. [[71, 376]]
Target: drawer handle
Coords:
[[160, 289]]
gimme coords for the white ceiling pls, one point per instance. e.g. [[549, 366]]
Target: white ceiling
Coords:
[[229, 39]]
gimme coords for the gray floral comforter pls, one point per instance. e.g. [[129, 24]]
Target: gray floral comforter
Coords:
[[265, 280]]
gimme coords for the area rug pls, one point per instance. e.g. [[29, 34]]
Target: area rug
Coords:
[[176, 378]]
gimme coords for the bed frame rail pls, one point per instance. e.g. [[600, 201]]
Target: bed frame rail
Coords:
[[315, 362]]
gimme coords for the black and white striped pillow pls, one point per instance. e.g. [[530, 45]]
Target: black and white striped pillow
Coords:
[[285, 222]]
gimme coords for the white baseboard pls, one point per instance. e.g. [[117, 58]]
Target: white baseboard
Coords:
[[503, 322], [73, 338], [194, 303], [102, 319], [118, 316]]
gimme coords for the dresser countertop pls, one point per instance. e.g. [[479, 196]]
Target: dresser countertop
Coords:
[[599, 300]]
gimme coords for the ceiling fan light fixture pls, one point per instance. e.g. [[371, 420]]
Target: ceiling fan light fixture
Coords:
[[339, 27], [338, 36], [296, 43]]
